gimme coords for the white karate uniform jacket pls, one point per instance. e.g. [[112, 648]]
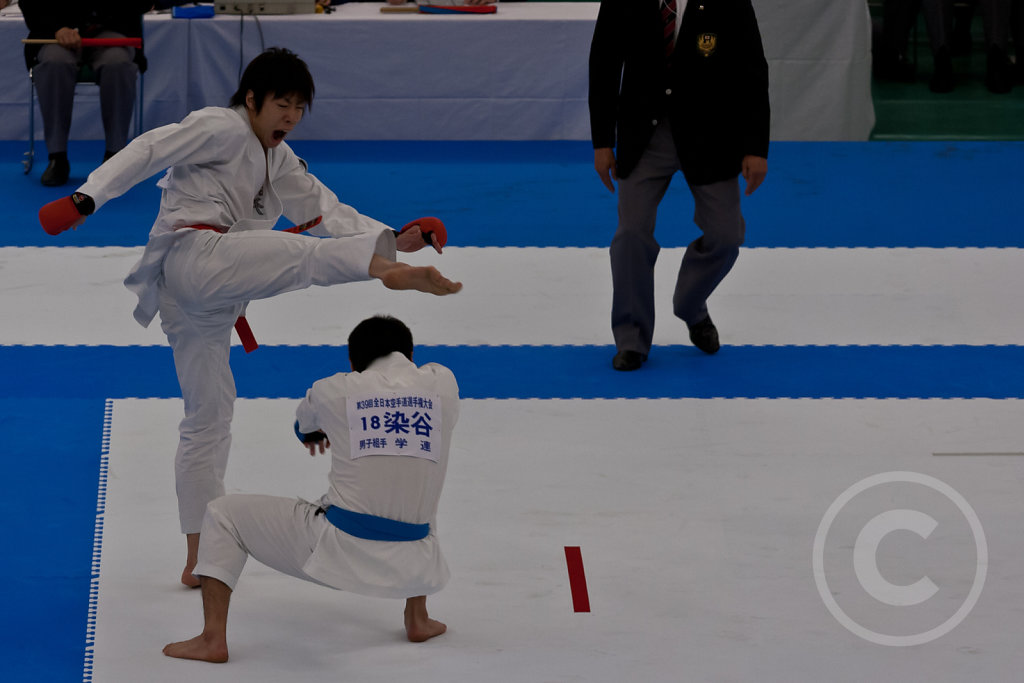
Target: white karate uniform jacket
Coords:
[[399, 487], [216, 169]]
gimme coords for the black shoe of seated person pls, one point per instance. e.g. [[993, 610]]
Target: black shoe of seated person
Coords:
[[57, 172]]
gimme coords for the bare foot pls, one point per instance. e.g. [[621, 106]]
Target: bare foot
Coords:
[[426, 630], [188, 578], [202, 647], [418, 624], [421, 278]]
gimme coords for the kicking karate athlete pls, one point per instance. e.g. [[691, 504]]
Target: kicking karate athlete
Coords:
[[389, 427], [212, 249]]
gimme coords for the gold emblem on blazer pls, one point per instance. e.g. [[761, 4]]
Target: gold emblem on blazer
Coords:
[[706, 43]]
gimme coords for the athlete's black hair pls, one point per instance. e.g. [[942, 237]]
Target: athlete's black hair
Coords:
[[277, 72], [377, 337]]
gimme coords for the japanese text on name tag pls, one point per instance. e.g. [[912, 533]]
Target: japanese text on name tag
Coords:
[[395, 424]]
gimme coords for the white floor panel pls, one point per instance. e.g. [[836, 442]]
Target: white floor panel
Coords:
[[562, 296], [696, 520]]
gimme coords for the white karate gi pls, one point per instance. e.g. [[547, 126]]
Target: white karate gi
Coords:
[[200, 280], [287, 534]]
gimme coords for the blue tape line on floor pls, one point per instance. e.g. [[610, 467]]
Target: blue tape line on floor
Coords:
[[552, 371]]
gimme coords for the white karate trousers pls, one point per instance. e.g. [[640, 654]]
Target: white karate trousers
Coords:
[[279, 532], [207, 279]]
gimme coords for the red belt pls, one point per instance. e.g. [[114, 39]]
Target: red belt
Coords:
[[242, 328]]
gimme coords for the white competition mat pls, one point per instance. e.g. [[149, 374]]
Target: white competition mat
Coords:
[[778, 296], [696, 520]]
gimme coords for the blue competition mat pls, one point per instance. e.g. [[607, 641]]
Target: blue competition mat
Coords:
[[546, 194]]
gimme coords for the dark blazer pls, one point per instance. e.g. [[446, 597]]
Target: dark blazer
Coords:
[[45, 17], [714, 91]]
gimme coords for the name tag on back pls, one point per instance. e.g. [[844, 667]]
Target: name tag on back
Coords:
[[395, 423]]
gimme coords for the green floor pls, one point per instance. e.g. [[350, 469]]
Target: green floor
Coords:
[[912, 112], [970, 112]]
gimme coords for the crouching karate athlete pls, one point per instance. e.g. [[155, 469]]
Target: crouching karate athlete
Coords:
[[212, 249], [388, 425]]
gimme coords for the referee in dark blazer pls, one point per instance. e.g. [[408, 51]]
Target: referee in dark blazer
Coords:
[[676, 85]]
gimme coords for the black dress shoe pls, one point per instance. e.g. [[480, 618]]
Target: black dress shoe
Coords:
[[56, 173], [704, 336], [628, 360]]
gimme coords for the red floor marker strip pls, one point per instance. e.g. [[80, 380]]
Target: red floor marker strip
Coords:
[[577, 580]]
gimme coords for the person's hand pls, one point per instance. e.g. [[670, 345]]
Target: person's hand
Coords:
[[322, 445], [604, 164], [754, 170], [412, 240], [68, 38], [66, 213], [417, 234]]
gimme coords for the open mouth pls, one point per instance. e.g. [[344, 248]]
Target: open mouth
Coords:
[[278, 135]]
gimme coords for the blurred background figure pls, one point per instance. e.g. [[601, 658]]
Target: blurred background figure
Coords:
[[55, 68], [948, 23]]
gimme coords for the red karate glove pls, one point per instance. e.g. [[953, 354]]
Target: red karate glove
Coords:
[[67, 212], [429, 226]]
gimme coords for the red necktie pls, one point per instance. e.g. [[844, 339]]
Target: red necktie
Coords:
[[668, 15]]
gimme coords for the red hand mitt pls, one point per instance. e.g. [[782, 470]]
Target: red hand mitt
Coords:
[[429, 225], [64, 213]]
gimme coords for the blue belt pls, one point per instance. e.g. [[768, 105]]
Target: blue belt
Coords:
[[374, 528]]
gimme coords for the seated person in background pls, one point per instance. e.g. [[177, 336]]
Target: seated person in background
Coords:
[[388, 424], [55, 68], [1003, 20], [1000, 19]]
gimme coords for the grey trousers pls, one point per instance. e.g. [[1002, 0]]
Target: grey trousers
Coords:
[[55, 77], [634, 250]]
